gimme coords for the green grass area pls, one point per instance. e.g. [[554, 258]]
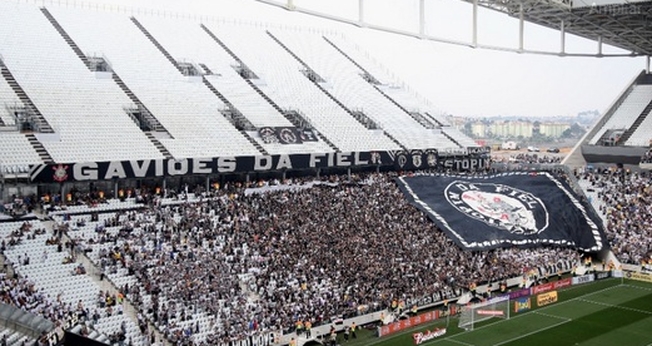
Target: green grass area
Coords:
[[609, 312]]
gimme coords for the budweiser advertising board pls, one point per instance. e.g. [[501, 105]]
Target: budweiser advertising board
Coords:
[[422, 337], [551, 286]]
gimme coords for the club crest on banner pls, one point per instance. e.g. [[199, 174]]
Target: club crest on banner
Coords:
[[268, 135], [431, 158], [401, 160], [416, 158], [60, 173], [500, 206], [287, 136]]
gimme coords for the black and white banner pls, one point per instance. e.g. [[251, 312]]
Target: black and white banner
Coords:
[[136, 169], [286, 135], [507, 209]]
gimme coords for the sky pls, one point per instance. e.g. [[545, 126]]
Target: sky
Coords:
[[458, 80]]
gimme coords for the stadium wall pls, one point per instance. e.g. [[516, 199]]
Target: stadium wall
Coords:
[[613, 155], [72, 339]]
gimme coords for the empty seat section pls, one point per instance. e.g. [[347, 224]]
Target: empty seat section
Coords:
[[202, 49], [86, 113], [345, 82], [407, 98], [8, 98], [627, 112], [184, 106], [290, 89]]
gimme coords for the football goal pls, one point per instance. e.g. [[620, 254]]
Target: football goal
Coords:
[[493, 308]]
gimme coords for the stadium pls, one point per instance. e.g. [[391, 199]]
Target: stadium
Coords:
[[188, 179]]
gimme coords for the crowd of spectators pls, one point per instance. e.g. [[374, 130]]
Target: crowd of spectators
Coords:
[[626, 198], [647, 157], [17, 206], [259, 262], [22, 291]]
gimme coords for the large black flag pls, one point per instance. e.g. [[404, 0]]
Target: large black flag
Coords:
[[507, 209]]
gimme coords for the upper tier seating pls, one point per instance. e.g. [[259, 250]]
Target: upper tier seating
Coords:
[[90, 112], [8, 98], [184, 106], [642, 136], [87, 113], [344, 81], [16, 153], [290, 89], [627, 112], [203, 49], [407, 99]]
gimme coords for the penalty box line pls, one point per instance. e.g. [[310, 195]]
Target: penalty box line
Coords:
[[460, 342], [620, 307], [535, 331], [563, 320], [637, 287], [536, 312]]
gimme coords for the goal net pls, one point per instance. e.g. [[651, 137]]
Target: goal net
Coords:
[[493, 308]]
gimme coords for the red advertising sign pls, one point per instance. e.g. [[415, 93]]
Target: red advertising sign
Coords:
[[551, 286], [412, 321], [562, 283], [422, 337], [491, 312]]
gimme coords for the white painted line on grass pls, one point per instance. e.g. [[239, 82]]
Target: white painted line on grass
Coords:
[[536, 312], [533, 332], [616, 306], [460, 342], [638, 287]]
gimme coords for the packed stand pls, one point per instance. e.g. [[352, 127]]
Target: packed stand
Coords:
[[626, 202], [647, 157], [237, 264]]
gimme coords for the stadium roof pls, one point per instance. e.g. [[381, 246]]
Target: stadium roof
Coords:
[[626, 25]]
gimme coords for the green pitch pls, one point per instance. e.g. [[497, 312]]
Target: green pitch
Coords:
[[609, 312]]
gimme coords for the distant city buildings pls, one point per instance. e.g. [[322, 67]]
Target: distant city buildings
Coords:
[[554, 130], [521, 128], [512, 129]]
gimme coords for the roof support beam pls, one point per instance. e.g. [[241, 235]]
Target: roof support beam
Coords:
[[521, 27], [474, 39], [562, 38], [422, 17]]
